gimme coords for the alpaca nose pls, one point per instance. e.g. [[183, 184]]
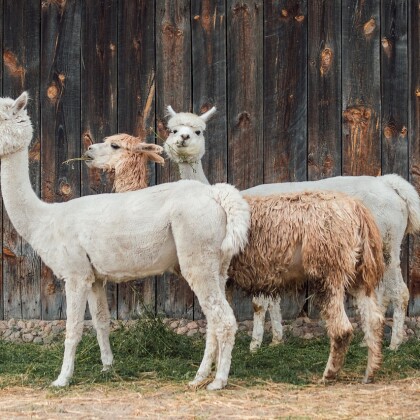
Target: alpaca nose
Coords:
[[185, 136]]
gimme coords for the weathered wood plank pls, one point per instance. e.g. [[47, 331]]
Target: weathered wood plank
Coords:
[[245, 20], [285, 91], [324, 89], [285, 103], [99, 94], [173, 87], [361, 87], [394, 91], [21, 265], [136, 113], [414, 139], [209, 87], [60, 121], [324, 96]]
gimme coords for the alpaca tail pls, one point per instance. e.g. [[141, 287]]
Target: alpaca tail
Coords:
[[371, 264], [237, 218], [409, 194]]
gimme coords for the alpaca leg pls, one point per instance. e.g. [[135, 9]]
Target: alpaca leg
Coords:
[[399, 296], [372, 326], [260, 304], [339, 330], [98, 305], [276, 320], [76, 295]]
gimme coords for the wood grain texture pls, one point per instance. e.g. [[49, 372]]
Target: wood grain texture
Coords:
[[136, 113], [60, 121], [361, 87], [414, 139], [2, 277], [99, 95], [245, 20], [173, 87], [209, 87], [324, 89], [285, 91], [21, 265]]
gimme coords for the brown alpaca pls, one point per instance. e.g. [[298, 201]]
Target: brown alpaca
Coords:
[[127, 156], [329, 239]]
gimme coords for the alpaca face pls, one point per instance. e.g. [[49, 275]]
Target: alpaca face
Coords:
[[104, 155], [15, 126]]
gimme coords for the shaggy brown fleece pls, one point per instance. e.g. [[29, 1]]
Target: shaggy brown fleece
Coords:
[[131, 172], [322, 236]]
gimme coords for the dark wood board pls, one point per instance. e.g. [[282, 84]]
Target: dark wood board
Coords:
[[60, 122], [208, 20], [136, 113], [285, 91], [173, 87], [414, 139], [21, 265], [99, 95], [361, 87]]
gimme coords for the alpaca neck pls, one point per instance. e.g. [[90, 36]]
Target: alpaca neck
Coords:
[[23, 207], [193, 170]]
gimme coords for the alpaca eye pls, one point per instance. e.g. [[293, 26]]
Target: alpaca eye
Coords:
[[174, 131], [115, 146], [198, 132]]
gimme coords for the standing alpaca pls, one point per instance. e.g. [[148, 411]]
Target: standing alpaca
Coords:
[[393, 202], [308, 223], [121, 237]]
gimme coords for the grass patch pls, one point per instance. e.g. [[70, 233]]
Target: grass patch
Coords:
[[151, 350]]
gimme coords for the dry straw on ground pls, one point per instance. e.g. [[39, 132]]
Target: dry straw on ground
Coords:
[[156, 399]]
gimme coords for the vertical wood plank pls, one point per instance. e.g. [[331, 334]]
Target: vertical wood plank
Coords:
[[414, 139], [99, 94], [245, 42], [136, 113], [285, 91], [394, 91], [173, 87], [21, 266], [285, 103], [324, 89], [1, 197], [324, 96], [209, 87], [361, 87], [60, 121]]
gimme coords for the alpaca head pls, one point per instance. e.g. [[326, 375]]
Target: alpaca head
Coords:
[[15, 125], [185, 142], [121, 149]]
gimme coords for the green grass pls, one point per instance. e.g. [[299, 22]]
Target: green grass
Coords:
[[149, 349]]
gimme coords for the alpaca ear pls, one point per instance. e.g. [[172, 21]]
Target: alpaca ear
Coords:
[[20, 103], [171, 111], [148, 147], [207, 115]]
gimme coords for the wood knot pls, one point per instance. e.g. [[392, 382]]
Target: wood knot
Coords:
[[197, 17], [11, 62], [385, 42], [52, 92], [417, 92], [389, 131], [404, 131], [299, 18], [171, 31], [326, 60], [369, 26], [61, 77], [284, 13], [357, 115], [240, 7], [112, 46], [244, 119], [65, 188]]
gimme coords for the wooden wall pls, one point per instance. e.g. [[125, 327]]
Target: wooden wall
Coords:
[[304, 90]]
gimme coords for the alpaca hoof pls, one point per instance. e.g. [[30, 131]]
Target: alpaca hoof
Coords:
[[106, 368], [368, 379], [328, 377], [216, 384], [394, 346], [363, 344], [276, 342], [254, 346], [59, 383]]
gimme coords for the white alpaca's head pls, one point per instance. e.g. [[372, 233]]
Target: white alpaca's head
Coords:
[[120, 149], [185, 142], [15, 125]]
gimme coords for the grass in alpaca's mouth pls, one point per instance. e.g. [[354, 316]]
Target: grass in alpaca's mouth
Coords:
[[83, 158]]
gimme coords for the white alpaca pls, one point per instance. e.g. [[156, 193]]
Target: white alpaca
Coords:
[[120, 237], [393, 202]]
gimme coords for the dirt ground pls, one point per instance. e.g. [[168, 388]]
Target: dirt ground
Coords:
[[157, 400]]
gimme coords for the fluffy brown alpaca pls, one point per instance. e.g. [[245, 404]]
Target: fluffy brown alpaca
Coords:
[[127, 156], [333, 241]]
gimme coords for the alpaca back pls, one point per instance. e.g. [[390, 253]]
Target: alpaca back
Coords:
[[311, 235]]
